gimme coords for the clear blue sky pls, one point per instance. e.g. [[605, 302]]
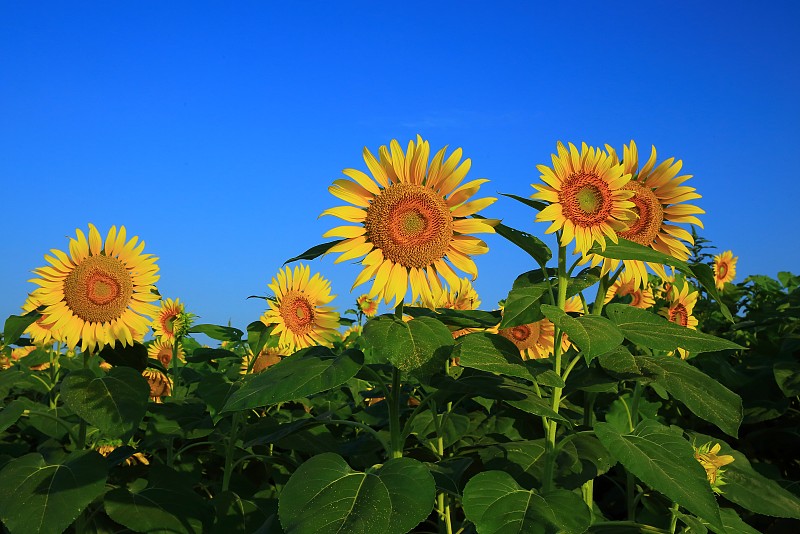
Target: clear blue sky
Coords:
[[213, 130]]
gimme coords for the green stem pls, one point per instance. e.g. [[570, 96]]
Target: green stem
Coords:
[[394, 416], [175, 368], [226, 475], [631, 480], [600, 299], [673, 522]]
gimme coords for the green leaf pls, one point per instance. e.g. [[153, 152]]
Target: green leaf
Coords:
[[496, 504], [257, 336], [220, 333], [411, 490], [15, 325], [305, 373], [523, 301], [703, 395], [234, 514], [11, 414], [594, 335], [315, 251], [517, 458], [421, 344], [535, 204], [653, 331], [531, 244], [787, 375], [133, 356], [458, 318], [491, 353], [114, 402], [46, 498], [705, 276], [324, 495], [664, 461], [168, 504], [205, 354]]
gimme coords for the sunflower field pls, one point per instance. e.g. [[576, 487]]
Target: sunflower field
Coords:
[[625, 384]]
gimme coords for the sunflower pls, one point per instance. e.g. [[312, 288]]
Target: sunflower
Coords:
[[164, 323], [462, 296], [160, 384], [660, 204], [411, 219], [724, 268], [268, 357], [624, 285], [680, 307], [713, 463], [298, 310], [161, 349], [100, 293], [586, 194], [534, 340], [40, 333], [367, 306]]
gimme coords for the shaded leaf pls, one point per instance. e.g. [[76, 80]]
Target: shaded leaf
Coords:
[[314, 252], [220, 333], [15, 325], [492, 353], [422, 344], [594, 335]]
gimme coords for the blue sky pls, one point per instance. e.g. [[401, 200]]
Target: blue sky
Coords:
[[213, 130]]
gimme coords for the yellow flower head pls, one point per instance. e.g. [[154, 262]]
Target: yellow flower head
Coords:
[[161, 350], [368, 306], [299, 310], [659, 199], [681, 302], [724, 268], [164, 323], [160, 385], [101, 292], [713, 463], [268, 357], [624, 285], [411, 219], [534, 340], [588, 201]]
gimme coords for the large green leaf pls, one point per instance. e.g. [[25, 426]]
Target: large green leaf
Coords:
[[235, 514], [15, 325], [531, 244], [492, 353], [11, 413], [496, 504], [324, 495], [653, 331], [114, 402], [215, 331], [314, 252], [703, 395], [750, 489], [422, 344], [39, 497], [520, 459], [523, 301], [787, 376], [458, 318], [594, 335], [305, 373], [167, 505], [664, 461]]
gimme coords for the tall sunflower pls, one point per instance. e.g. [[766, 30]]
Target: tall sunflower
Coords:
[[411, 219], [659, 198], [164, 322], [724, 268], [299, 309], [101, 292], [585, 190]]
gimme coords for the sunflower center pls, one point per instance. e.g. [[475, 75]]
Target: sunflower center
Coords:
[[679, 315], [722, 269], [165, 356], [168, 323], [411, 224], [524, 336], [644, 229], [586, 199], [297, 312], [99, 289]]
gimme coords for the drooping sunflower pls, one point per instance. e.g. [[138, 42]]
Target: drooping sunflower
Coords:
[[660, 200], [164, 323], [160, 384], [299, 309], [161, 349], [588, 201], [367, 306], [724, 268], [411, 219], [101, 293], [625, 285]]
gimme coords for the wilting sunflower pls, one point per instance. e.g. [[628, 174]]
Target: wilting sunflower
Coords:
[[724, 268], [625, 285], [160, 384], [660, 200], [367, 306], [164, 322], [101, 293], [161, 349], [585, 190], [41, 334], [713, 463], [299, 309], [411, 219]]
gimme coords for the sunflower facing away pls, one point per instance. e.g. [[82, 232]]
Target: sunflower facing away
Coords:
[[299, 309], [164, 322], [411, 219], [660, 200], [724, 268], [585, 190], [101, 292]]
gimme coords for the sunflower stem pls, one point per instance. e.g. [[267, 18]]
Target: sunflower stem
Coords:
[[226, 475], [175, 369], [550, 442], [599, 301], [673, 522], [394, 415], [631, 480]]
